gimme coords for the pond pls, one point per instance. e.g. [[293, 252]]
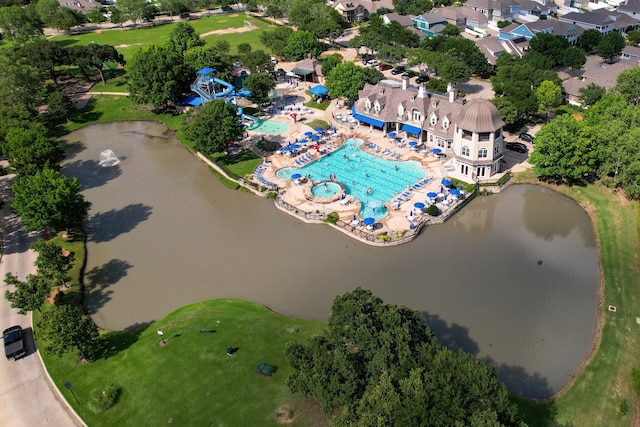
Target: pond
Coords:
[[164, 232]]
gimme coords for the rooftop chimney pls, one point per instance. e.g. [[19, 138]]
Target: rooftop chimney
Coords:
[[422, 91], [452, 92], [405, 83]]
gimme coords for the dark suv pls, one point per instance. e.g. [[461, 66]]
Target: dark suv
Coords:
[[516, 146], [398, 70], [527, 137], [14, 347]]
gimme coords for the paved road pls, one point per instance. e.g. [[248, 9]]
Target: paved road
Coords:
[[27, 397]]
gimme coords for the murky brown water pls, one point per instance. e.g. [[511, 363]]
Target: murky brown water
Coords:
[[164, 232]]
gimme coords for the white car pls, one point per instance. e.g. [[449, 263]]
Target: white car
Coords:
[[373, 63]]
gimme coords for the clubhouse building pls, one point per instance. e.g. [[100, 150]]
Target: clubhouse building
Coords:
[[468, 134]]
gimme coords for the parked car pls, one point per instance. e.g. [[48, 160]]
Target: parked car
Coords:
[[367, 58], [409, 73], [13, 338], [373, 63], [184, 15], [384, 67], [516, 146], [422, 79], [527, 137], [399, 69]]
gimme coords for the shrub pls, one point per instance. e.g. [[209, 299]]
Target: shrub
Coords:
[[103, 398], [272, 195], [502, 24], [332, 218], [384, 236], [433, 210]]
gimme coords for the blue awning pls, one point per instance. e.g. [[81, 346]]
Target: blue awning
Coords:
[[413, 130], [366, 119]]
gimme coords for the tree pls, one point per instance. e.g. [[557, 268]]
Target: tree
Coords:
[[117, 16], [28, 295], [628, 85], [30, 150], [508, 112], [381, 365], [96, 16], [158, 76], [132, 10], [549, 96], [93, 57], [51, 261], [565, 150], [276, 39], [204, 56], [260, 85], [300, 44], [589, 40], [329, 62], [634, 37], [65, 328], [610, 46], [20, 23], [574, 58], [450, 30], [316, 17], [59, 106], [345, 80], [183, 37], [213, 126], [591, 93], [257, 61], [412, 7], [45, 55], [49, 200], [66, 18], [552, 46]]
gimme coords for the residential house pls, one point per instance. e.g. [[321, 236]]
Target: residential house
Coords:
[[495, 10], [308, 70], [630, 8], [595, 71], [352, 10], [430, 24], [602, 20], [405, 20], [528, 30], [463, 17], [531, 8], [631, 53], [491, 47]]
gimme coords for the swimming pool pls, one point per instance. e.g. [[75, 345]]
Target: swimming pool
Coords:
[[326, 189], [370, 179], [270, 127]]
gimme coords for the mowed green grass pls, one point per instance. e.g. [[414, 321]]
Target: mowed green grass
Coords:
[[595, 397], [191, 379], [128, 41]]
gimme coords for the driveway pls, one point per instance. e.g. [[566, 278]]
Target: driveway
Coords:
[[27, 397]]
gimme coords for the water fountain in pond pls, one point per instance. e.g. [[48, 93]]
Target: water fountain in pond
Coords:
[[108, 158]]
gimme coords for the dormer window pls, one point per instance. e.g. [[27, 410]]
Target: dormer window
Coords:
[[376, 107], [381, 91], [400, 110], [445, 124], [416, 116], [434, 104], [367, 105], [412, 98], [433, 120]]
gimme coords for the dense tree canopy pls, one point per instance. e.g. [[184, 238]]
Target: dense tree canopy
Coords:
[[65, 328], [329, 62], [28, 295], [412, 7], [378, 364], [44, 55], [276, 39], [183, 37], [591, 93], [52, 263], [20, 23], [628, 85], [459, 49], [213, 126], [300, 44], [260, 85], [158, 76], [589, 39], [345, 80], [29, 150], [49, 200], [93, 57], [610, 46], [549, 96], [316, 17]]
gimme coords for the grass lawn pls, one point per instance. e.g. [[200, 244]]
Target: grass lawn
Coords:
[[127, 41], [191, 379], [601, 391], [106, 108]]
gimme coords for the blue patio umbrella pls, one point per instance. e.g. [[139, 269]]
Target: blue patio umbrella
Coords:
[[437, 150], [418, 205], [291, 147], [296, 176], [318, 90], [315, 137], [369, 221], [455, 192], [392, 134], [309, 133], [432, 195], [446, 182], [304, 141], [413, 143], [319, 129]]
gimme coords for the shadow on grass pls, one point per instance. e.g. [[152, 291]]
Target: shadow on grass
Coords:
[[88, 113], [243, 156], [116, 341], [106, 226], [99, 279], [90, 173]]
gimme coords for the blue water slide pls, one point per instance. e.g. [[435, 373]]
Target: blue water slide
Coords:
[[229, 88], [252, 118]]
